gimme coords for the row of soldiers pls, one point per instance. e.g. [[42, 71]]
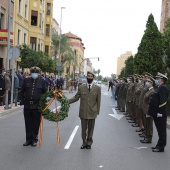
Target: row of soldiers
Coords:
[[144, 99]]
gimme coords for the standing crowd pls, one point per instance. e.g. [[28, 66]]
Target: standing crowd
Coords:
[[143, 99], [6, 83]]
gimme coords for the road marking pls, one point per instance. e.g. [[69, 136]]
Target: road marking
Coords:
[[106, 94], [142, 147], [115, 115], [71, 138]]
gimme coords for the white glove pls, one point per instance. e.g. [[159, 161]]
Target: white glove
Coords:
[[22, 106], [147, 116], [159, 115]]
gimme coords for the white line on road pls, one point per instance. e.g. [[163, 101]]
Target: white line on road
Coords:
[[115, 115], [142, 147], [71, 138]]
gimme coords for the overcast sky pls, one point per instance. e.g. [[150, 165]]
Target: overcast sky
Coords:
[[108, 28]]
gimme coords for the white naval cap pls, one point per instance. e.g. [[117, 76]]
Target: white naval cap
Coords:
[[160, 75]]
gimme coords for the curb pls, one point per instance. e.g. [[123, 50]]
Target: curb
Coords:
[[168, 126], [5, 112]]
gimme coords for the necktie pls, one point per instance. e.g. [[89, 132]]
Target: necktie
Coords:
[[89, 87]]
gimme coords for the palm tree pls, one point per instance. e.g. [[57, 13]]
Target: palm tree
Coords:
[[64, 44]]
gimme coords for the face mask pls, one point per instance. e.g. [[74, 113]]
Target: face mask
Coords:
[[34, 75], [147, 84], [89, 80], [139, 81], [156, 82]]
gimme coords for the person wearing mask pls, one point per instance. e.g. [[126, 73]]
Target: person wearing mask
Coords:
[[31, 91], [150, 82], [90, 98], [157, 109]]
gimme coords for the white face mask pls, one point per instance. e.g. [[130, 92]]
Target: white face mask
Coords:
[[34, 75]]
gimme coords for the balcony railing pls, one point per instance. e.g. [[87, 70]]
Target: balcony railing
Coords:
[[4, 37]]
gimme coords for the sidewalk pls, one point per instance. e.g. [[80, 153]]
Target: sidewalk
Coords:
[[8, 111]]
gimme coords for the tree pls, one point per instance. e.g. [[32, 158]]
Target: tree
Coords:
[[122, 73], [150, 50], [129, 66]]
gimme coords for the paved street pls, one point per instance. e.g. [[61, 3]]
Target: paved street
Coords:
[[116, 144]]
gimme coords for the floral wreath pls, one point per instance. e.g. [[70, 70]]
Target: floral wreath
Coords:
[[47, 113]]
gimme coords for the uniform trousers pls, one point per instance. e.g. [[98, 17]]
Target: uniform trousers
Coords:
[[32, 123], [160, 123], [87, 126], [123, 104], [144, 119], [149, 128]]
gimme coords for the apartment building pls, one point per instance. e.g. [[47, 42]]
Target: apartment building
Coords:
[[4, 30], [121, 61], [78, 48], [165, 13]]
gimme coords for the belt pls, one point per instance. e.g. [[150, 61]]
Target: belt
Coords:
[[32, 102]]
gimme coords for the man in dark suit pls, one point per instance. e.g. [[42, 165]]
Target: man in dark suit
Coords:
[[90, 98], [157, 109], [31, 91]]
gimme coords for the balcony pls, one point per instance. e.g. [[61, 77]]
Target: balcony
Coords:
[[4, 37]]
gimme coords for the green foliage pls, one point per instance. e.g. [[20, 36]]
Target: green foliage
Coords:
[[30, 58], [128, 70], [150, 50], [122, 73]]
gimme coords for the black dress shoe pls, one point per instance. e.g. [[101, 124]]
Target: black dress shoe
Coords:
[[131, 121], [142, 136], [122, 111], [83, 147], [154, 147], [27, 143], [117, 109], [135, 125], [88, 147], [140, 130], [34, 144], [158, 150], [145, 141]]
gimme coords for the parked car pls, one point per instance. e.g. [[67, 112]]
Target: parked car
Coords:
[[99, 82]]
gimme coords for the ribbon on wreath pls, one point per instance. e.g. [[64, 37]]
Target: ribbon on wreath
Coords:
[[56, 93]]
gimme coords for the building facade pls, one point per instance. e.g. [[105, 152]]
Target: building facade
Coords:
[[4, 30], [121, 61], [165, 13], [78, 48]]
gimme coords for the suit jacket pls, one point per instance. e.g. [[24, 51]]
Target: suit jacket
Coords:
[[31, 92], [158, 101], [89, 101]]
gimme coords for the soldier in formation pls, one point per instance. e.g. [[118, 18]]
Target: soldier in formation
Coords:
[[144, 99]]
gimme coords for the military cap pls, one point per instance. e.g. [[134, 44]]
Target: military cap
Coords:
[[150, 79], [90, 72], [34, 69], [148, 74], [162, 76]]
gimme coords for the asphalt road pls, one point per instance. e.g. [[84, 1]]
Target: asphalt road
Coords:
[[116, 144]]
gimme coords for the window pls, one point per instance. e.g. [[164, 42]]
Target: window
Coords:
[[46, 49], [34, 16], [33, 41], [25, 38], [19, 6], [48, 8], [19, 37], [47, 30], [26, 11]]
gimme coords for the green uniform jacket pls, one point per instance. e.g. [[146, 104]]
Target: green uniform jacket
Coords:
[[89, 101]]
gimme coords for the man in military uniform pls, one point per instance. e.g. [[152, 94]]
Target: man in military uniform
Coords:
[[150, 82], [157, 109], [90, 98], [31, 91]]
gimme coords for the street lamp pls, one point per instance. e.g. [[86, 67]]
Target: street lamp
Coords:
[[60, 36], [74, 68]]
